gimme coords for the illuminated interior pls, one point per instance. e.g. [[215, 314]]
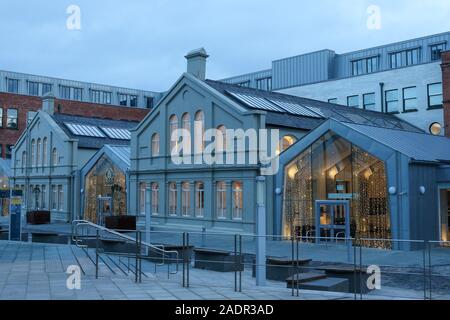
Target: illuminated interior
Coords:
[[334, 169], [107, 181]]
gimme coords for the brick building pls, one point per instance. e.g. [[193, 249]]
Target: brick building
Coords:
[[16, 110]]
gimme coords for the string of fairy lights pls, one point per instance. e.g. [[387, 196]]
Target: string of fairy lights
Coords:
[[369, 214]]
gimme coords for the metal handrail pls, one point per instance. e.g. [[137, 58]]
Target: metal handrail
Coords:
[[160, 248]]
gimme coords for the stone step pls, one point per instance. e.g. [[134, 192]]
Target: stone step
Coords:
[[304, 277], [327, 284]]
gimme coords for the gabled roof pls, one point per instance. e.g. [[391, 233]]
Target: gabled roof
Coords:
[[417, 146], [311, 112], [90, 142], [119, 155]]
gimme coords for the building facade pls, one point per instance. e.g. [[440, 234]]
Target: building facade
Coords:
[[402, 78], [48, 157], [222, 196], [20, 99]]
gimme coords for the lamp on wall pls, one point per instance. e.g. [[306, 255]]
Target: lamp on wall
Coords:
[[392, 191], [278, 191], [422, 190]]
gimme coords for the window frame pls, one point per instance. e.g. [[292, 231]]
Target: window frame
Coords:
[[221, 200], [374, 104], [348, 101], [16, 119], [437, 106], [404, 100], [199, 210], [437, 56], [237, 194], [386, 101]]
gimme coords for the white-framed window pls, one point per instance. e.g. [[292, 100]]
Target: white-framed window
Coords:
[[155, 198], [33, 153], [54, 197], [285, 143], [142, 187], [186, 125], [24, 161], [38, 152], [55, 159], [173, 127], [173, 198], [44, 152], [200, 128], [221, 208], [185, 199], [155, 145], [237, 200], [60, 198], [199, 199], [221, 138]]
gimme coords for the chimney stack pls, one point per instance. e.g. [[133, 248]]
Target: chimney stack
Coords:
[[446, 90], [196, 63], [48, 103]]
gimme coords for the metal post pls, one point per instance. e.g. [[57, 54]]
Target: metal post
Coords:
[[260, 231], [360, 269], [148, 216], [184, 265], [235, 262], [136, 258], [140, 257], [354, 269], [96, 253], [430, 270], [188, 259], [424, 271], [292, 262], [297, 266], [240, 263]]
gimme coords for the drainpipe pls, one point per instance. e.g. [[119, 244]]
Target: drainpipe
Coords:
[[382, 96]]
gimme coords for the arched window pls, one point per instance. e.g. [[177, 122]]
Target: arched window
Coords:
[[142, 187], [173, 199], [24, 160], [200, 130], [237, 200], [173, 126], [155, 145], [38, 152], [199, 199], [33, 153], [54, 157], [186, 122], [221, 195], [221, 138], [185, 199], [285, 143], [155, 198], [44, 152]]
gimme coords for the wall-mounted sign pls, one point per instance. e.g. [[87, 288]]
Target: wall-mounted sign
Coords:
[[340, 196], [109, 177]]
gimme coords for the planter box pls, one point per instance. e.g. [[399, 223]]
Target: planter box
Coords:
[[38, 217], [121, 222]]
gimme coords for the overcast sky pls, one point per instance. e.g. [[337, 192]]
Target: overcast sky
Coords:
[[141, 44]]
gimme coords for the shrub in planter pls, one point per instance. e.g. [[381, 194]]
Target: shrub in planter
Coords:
[[38, 217]]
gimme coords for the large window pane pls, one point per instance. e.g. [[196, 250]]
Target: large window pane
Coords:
[[391, 101]]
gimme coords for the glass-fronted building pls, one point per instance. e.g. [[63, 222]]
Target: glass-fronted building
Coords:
[[394, 182], [105, 182]]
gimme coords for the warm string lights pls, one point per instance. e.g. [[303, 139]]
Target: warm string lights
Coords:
[[367, 185]]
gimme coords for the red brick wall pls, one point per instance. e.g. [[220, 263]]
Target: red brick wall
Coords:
[[27, 103], [446, 90]]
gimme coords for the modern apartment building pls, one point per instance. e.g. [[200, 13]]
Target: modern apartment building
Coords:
[[403, 78]]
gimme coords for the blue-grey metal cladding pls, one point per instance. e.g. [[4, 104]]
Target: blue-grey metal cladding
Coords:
[[326, 65], [251, 77]]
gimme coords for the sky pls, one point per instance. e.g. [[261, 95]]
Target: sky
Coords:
[[142, 43]]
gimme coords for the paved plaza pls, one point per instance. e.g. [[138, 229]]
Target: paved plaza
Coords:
[[35, 271]]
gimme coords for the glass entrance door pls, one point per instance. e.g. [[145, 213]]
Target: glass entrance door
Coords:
[[332, 220], [104, 209]]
